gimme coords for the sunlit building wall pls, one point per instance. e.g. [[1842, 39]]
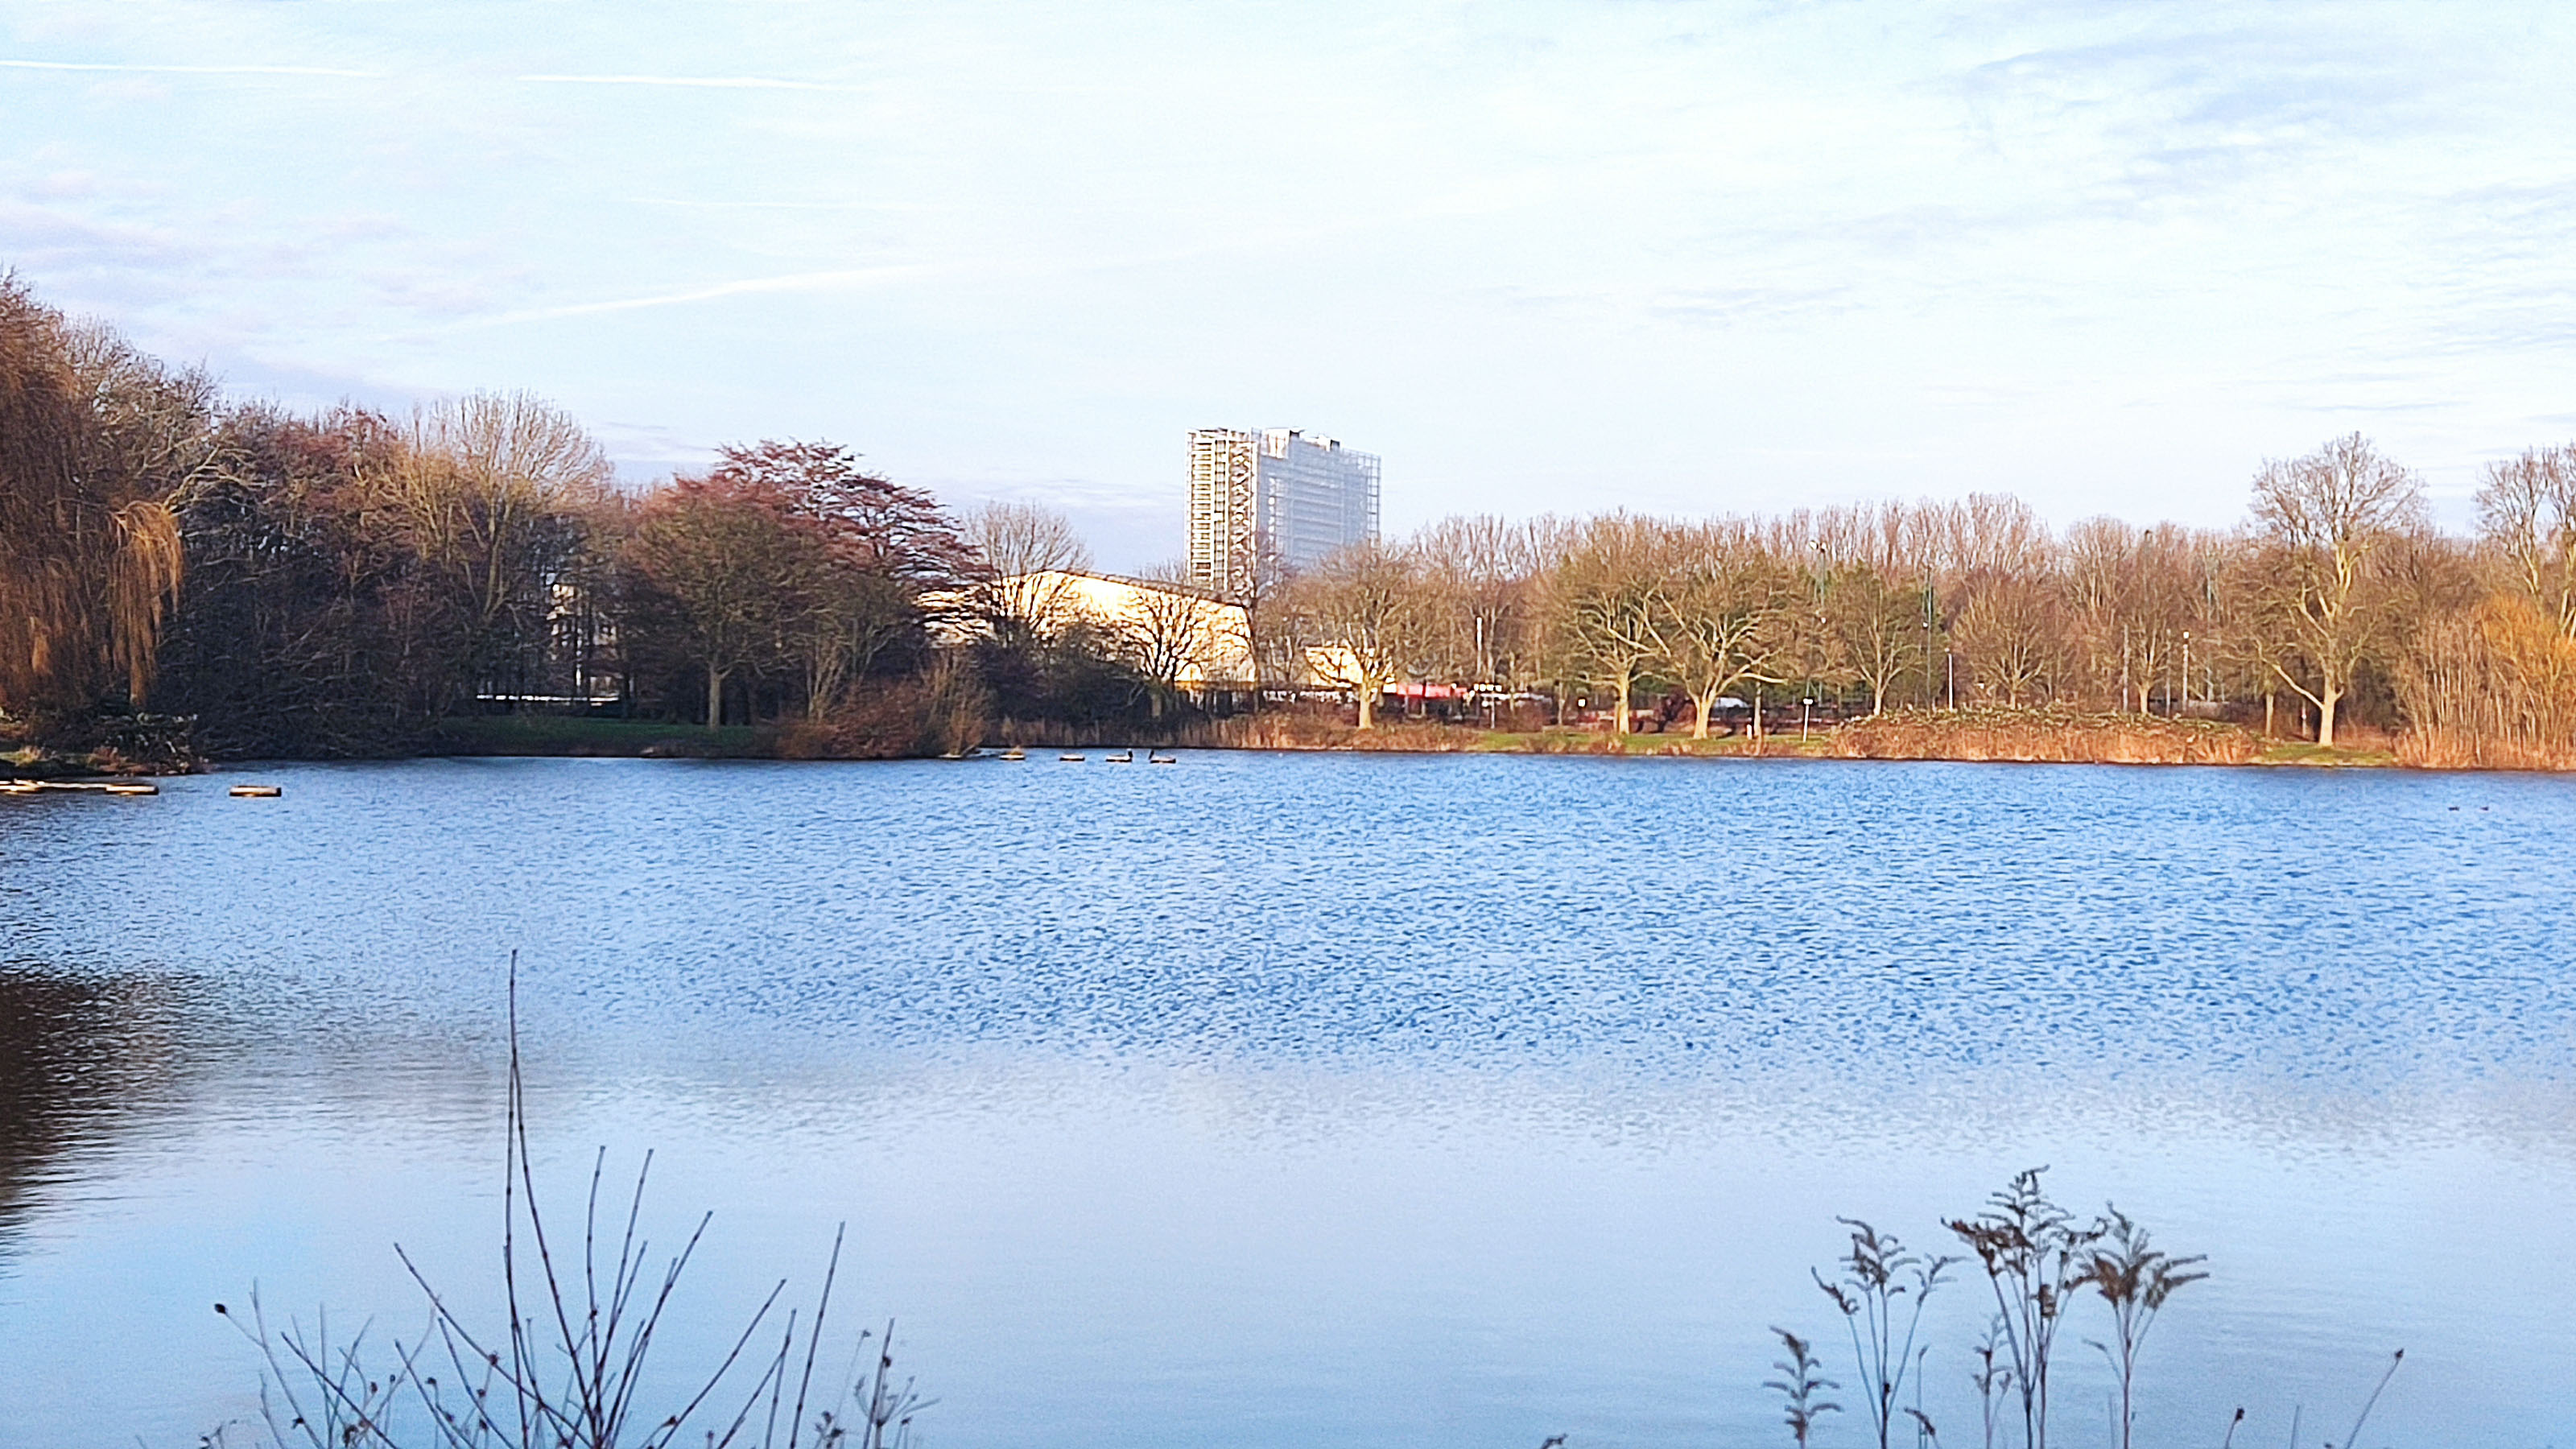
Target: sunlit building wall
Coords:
[[1276, 498]]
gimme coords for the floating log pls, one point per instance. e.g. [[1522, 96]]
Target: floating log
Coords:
[[82, 787], [1123, 757], [255, 792], [1070, 759]]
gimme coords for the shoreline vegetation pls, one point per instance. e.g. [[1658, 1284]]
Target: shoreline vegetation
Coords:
[[1986, 735], [1983, 735], [187, 578]]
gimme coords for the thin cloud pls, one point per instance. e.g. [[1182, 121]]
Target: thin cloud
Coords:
[[797, 282], [710, 82], [778, 205], [190, 69]]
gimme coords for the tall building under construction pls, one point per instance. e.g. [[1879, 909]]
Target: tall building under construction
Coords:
[[1274, 498]]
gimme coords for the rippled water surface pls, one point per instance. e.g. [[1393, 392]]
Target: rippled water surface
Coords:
[[1275, 1100]]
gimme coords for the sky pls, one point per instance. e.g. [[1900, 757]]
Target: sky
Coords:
[[1676, 257]]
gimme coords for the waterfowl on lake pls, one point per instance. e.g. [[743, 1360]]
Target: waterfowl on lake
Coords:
[[1123, 757], [1152, 758]]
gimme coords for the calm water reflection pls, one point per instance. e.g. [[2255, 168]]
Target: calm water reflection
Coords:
[[1285, 1099]]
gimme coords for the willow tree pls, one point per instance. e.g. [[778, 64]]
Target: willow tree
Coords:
[[95, 442]]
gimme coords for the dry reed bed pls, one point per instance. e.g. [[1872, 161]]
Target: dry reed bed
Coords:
[[2044, 736], [2028, 735]]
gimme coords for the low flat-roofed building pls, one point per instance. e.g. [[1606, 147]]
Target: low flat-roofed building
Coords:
[[1176, 631]]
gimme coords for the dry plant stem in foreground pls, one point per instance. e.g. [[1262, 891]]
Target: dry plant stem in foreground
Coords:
[[2353, 1437], [2135, 1279], [2035, 1259], [2038, 1260], [1801, 1381], [1882, 1283], [570, 1371]]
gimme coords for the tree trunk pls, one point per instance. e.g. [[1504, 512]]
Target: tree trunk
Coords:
[[1707, 703], [715, 697], [2326, 715], [1619, 726], [1368, 706]]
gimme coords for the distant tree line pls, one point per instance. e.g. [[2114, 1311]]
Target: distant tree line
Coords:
[[341, 583], [2337, 600]]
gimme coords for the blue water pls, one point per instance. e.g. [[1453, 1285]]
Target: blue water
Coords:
[[1289, 1099]]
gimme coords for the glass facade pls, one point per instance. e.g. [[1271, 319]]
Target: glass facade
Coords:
[[1275, 498]]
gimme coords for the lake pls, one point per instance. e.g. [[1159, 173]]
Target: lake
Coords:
[[1297, 1099]]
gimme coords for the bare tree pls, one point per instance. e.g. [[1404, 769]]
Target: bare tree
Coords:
[[1604, 594], [1717, 613], [1993, 533], [1172, 627], [2133, 595], [2527, 510], [1025, 552], [1364, 624], [1476, 573], [1880, 626], [2326, 517], [2011, 631], [487, 492]]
